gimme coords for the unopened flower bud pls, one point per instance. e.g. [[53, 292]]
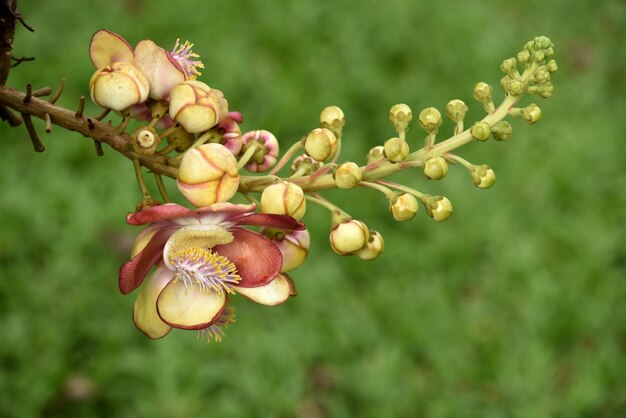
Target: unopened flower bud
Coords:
[[430, 119], [320, 144], [482, 92], [515, 87], [435, 168], [438, 207], [523, 56], [480, 131], [400, 115], [230, 133], [333, 119], [348, 175], [145, 140], [396, 149], [293, 245], [456, 110], [483, 176], [551, 66], [208, 174], [349, 237], [196, 106], [502, 131], [266, 153], [374, 247], [539, 56], [509, 66], [375, 154], [542, 75], [531, 113], [403, 207], [119, 86], [284, 198], [305, 164], [545, 90]]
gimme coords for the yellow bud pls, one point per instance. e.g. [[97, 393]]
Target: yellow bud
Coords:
[[400, 115], [482, 92], [532, 113], [502, 131], [348, 175], [374, 247], [375, 154], [403, 207], [119, 86], [320, 144], [396, 149], [435, 168], [284, 198], [208, 174], [438, 207], [480, 131], [430, 119], [293, 246], [196, 106], [456, 110], [483, 176], [333, 119], [349, 237], [305, 163]]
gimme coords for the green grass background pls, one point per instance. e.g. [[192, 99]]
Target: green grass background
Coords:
[[516, 307]]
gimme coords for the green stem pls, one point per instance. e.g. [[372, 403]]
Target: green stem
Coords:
[[140, 180], [162, 189], [286, 157]]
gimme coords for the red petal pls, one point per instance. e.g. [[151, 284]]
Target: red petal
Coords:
[[269, 220], [257, 259], [158, 213], [236, 116], [134, 271]]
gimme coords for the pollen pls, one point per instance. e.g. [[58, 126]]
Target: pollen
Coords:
[[186, 58]]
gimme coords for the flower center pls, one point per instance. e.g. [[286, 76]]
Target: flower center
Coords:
[[204, 268], [185, 57], [216, 331]]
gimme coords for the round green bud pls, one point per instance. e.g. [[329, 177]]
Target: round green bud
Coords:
[[438, 207], [403, 207], [480, 131], [531, 113], [551, 66], [509, 65], [374, 247], [515, 87], [539, 56], [482, 92], [545, 90], [523, 57], [430, 119], [333, 119], [483, 176], [435, 168], [349, 237], [396, 149], [456, 110], [375, 154], [320, 144], [348, 175], [400, 115], [542, 75], [502, 131]]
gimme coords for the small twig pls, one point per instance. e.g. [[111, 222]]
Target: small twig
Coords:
[[29, 93], [48, 120], [99, 150], [104, 114], [19, 17], [81, 107], [37, 144], [123, 124], [161, 187], [20, 60], [140, 180], [44, 91], [58, 93], [10, 116]]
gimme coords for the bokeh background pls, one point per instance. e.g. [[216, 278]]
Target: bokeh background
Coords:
[[515, 307]]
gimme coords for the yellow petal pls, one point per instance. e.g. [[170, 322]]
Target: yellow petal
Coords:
[[189, 308], [107, 47], [145, 313], [274, 293]]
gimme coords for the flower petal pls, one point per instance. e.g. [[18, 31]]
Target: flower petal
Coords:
[[270, 220], [134, 271], [145, 315], [272, 294], [107, 47], [158, 213], [293, 291], [160, 68], [189, 308], [257, 259]]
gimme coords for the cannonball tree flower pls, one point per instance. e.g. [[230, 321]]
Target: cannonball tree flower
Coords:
[[196, 106], [229, 133], [260, 147], [202, 256]]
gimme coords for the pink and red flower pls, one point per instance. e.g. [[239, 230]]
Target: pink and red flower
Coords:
[[202, 256]]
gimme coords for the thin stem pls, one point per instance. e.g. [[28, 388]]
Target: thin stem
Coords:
[[318, 200], [250, 198], [81, 107], [168, 131], [140, 180], [161, 187], [299, 173], [287, 156], [169, 148], [402, 188], [252, 149], [455, 159], [384, 190], [58, 93], [37, 144]]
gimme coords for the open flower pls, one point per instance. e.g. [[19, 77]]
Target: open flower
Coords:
[[202, 256]]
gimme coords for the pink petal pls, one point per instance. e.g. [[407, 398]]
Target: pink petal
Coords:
[[158, 213], [107, 47], [269, 220], [134, 271], [274, 293], [160, 68], [236, 116], [189, 308], [145, 315], [257, 259]]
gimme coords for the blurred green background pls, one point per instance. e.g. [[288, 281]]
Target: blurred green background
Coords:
[[516, 307]]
